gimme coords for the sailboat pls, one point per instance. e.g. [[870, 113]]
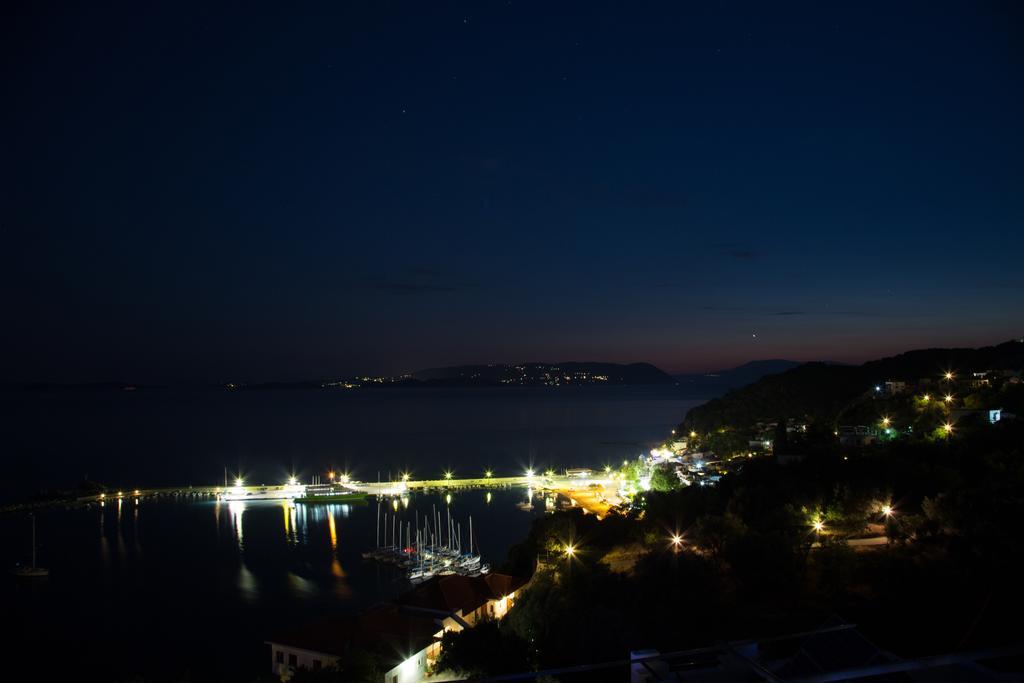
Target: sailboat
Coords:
[[32, 571]]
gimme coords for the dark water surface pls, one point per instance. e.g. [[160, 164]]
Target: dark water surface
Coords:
[[175, 585], [172, 437], [198, 585]]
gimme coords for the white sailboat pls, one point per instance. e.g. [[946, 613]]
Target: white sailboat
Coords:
[[32, 571]]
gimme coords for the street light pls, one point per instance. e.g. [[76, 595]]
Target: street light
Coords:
[[949, 376], [570, 550], [886, 422], [948, 428], [529, 473], [948, 398], [693, 435], [488, 474], [405, 476], [448, 475], [677, 541], [818, 526], [887, 510], [926, 398]]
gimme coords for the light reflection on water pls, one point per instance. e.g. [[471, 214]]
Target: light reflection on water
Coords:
[[255, 564], [237, 507], [248, 587]]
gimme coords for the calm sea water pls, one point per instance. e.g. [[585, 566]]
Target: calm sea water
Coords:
[[164, 437], [196, 585]]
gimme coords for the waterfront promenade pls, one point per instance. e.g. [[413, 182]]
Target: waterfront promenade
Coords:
[[594, 494]]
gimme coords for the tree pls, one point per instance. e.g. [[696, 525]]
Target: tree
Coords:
[[358, 666], [664, 478], [486, 649]]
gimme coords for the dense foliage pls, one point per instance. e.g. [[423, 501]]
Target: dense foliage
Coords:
[[751, 562]]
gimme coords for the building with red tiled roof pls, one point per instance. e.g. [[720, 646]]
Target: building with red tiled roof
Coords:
[[406, 636]]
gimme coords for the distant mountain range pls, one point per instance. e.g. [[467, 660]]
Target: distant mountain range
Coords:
[[717, 383], [569, 373], [546, 374]]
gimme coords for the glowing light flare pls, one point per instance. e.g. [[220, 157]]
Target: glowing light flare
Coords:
[[818, 526], [887, 510], [886, 422], [693, 435], [948, 428], [239, 482], [570, 550], [448, 475], [948, 398], [677, 541], [949, 376], [488, 474], [405, 476]]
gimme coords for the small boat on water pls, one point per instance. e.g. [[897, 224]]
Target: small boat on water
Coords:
[[32, 571], [341, 496], [239, 492]]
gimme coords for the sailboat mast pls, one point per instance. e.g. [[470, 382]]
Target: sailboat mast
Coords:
[[33, 541], [471, 534]]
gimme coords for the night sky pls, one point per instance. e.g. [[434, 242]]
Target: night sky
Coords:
[[220, 191]]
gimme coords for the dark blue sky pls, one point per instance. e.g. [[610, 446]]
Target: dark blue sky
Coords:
[[217, 191]]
